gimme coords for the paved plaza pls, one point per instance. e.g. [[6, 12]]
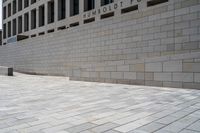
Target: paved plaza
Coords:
[[45, 104]]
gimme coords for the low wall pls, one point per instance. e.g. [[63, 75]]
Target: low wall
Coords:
[[158, 46], [6, 71]]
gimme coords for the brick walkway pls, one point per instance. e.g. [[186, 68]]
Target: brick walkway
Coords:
[[42, 104]]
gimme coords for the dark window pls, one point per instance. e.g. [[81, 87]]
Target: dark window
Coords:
[[41, 16], [33, 1], [105, 2], [61, 9], [33, 19], [50, 11], [9, 29], [4, 12], [4, 31], [14, 27], [26, 3], [74, 7], [89, 5], [155, 2], [14, 6], [129, 9], [26, 22], [9, 10], [19, 5], [20, 24]]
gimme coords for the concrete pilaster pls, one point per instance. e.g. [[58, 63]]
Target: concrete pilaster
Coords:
[[29, 20], [56, 10], [37, 17], [67, 11], [46, 13]]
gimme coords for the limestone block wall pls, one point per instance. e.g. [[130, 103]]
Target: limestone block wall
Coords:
[[156, 46]]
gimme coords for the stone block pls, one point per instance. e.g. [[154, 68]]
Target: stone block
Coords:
[[153, 67], [129, 75], [197, 77], [139, 67], [191, 46], [172, 84], [149, 76], [162, 76], [191, 85], [117, 75], [123, 68], [136, 82], [183, 77], [191, 67], [154, 83], [140, 75], [105, 75], [172, 66]]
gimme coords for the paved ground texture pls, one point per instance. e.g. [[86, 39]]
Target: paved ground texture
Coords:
[[44, 104]]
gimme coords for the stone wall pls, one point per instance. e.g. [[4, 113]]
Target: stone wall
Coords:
[[156, 46]]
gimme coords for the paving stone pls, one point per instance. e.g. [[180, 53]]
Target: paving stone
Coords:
[[188, 131], [45, 104], [81, 127], [179, 125], [103, 128], [152, 127], [195, 126], [167, 120]]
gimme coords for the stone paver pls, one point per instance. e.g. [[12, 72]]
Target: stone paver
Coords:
[[45, 104]]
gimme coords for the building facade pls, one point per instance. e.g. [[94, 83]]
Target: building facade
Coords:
[[142, 42], [0, 37]]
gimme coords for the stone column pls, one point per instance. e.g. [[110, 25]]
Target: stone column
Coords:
[[81, 6], [97, 6], [22, 17], [142, 5], [45, 13], [17, 25], [16, 6], [29, 25], [56, 10], [81, 10], [37, 17], [67, 10]]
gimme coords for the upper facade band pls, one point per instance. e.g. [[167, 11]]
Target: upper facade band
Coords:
[[29, 18]]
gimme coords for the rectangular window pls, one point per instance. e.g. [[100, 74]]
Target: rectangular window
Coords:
[[41, 16], [9, 10], [107, 15], [26, 22], [33, 19], [19, 5], [14, 27], [4, 12], [129, 9], [89, 5], [33, 1], [105, 2], [74, 7], [20, 24], [50, 11], [155, 2], [61, 9], [4, 31], [14, 6], [9, 29], [26, 3]]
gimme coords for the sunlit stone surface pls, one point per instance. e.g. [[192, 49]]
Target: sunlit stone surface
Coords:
[[44, 104]]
